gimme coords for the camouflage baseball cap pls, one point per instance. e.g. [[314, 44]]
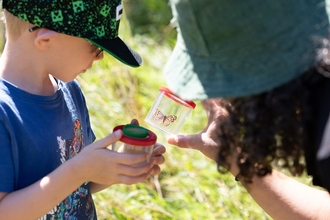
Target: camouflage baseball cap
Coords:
[[95, 20]]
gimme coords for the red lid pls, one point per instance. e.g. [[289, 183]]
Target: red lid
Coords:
[[174, 97], [136, 135]]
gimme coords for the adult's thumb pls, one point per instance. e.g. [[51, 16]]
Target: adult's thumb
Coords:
[[185, 141]]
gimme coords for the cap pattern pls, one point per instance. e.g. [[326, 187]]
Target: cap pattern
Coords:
[[95, 20], [80, 18]]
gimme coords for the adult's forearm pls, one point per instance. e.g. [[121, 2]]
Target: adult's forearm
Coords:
[[284, 198]]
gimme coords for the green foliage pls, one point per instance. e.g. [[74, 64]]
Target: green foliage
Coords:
[[151, 18]]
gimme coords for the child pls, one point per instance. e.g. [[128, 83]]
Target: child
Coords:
[[47, 170]]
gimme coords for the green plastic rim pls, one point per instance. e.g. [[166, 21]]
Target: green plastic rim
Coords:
[[130, 130], [135, 131]]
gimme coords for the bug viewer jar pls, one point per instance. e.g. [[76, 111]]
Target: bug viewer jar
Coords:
[[169, 112], [135, 140]]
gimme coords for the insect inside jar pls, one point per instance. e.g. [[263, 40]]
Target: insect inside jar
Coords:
[[163, 119]]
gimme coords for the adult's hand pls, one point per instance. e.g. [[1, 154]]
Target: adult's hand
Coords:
[[206, 141]]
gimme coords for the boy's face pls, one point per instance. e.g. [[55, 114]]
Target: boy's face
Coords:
[[72, 56]]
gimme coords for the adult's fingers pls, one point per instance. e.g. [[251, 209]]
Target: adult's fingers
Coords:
[[186, 141]]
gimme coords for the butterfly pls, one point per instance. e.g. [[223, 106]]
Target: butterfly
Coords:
[[166, 120]]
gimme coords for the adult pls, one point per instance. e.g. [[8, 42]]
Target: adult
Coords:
[[257, 67]]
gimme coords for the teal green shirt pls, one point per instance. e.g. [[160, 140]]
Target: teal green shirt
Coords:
[[238, 48]]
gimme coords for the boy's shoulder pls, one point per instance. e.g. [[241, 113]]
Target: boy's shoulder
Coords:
[[9, 92], [7, 103], [72, 87], [5, 91]]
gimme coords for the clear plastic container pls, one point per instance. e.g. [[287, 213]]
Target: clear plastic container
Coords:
[[169, 112], [135, 140]]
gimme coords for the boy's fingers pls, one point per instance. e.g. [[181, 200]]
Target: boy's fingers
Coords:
[[155, 170], [134, 170], [129, 159], [128, 180], [158, 160], [108, 140], [135, 122], [158, 150]]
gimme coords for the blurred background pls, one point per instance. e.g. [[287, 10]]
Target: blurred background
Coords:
[[189, 186]]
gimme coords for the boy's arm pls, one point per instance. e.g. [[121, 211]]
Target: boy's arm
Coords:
[[37, 199], [94, 163]]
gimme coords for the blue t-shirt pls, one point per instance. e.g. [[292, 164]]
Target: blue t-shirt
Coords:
[[38, 134]]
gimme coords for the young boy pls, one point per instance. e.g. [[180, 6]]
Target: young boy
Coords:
[[47, 170]]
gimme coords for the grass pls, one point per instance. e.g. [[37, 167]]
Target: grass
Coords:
[[189, 186]]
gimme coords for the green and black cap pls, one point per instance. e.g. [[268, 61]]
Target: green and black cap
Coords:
[[95, 20]]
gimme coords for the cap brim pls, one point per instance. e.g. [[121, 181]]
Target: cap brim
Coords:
[[117, 48]]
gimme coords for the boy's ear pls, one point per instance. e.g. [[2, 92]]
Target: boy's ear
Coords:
[[43, 38]]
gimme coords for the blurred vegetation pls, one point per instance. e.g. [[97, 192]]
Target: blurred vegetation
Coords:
[[151, 19]]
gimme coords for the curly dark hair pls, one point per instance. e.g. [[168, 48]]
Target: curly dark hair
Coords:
[[269, 129]]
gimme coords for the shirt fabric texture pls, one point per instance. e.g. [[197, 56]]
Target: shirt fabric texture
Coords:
[[38, 134]]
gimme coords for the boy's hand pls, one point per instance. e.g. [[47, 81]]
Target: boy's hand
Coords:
[[157, 157], [100, 165]]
